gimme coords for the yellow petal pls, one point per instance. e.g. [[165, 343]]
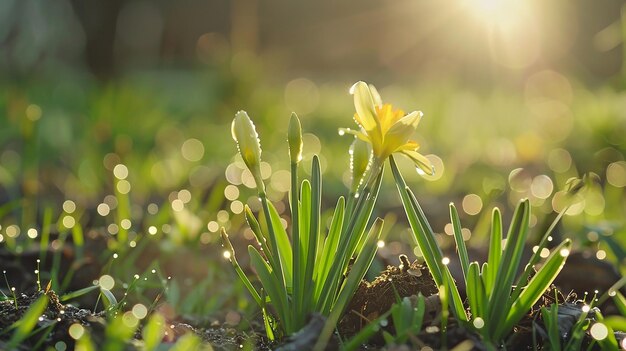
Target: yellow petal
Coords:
[[364, 105], [358, 134], [378, 102], [422, 163], [410, 145], [400, 132]]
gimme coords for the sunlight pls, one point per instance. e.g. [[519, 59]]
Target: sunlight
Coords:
[[512, 30], [495, 11]]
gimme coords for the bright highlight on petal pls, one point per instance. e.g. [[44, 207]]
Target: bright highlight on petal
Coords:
[[364, 105], [387, 130]]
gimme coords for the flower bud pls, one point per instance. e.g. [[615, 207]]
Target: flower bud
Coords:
[[294, 138], [249, 145], [359, 161]]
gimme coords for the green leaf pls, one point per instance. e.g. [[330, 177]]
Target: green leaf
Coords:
[[476, 292], [620, 302], [275, 289], [25, 325], [418, 317], [608, 343], [118, 331], [357, 341], [108, 298], [536, 256], [261, 237], [453, 293], [189, 341], [330, 246], [78, 293], [458, 238], [539, 283], [153, 332], [550, 319], [424, 234], [350, 237], [495, 251], [305, 220], [277, 269], [314, 231], [516, 237], [357, 272], [615, 322], [284, 246], [85, 343]]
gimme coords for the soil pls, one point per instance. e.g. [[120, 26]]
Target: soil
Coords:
[[60, 317], [373, 299]]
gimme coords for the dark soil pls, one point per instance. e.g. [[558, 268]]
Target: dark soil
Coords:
[[60, 317], [374, 299]]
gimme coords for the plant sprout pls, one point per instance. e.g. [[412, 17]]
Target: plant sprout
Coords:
[[497, 298], [309, 273]]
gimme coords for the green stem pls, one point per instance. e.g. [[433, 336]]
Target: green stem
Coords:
[[295, 237]]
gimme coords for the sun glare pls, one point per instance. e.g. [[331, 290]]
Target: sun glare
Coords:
[[512, 30], [496, 11]]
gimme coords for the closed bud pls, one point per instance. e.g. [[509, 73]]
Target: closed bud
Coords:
[[359, 161], [249, 145], [294, 138]]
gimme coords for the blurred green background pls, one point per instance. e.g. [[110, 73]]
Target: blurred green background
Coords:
[[518, 97]]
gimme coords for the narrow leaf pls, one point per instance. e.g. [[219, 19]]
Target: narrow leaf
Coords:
[[458, 238], [495, 251], [25, 325], [536, 287], [271, 284]]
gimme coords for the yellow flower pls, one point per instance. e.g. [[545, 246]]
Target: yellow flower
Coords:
[[386, 129]]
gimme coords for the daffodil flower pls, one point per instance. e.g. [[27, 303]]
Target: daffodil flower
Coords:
[[387, 130]]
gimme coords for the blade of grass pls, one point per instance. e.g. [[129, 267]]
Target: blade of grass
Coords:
[[277, 268], [153, 332], [108, 299], [311, 252], [357, 242], [349, 236], [284, 245], [516, 237], [261, 237], [45, 233], [352, 282], [458, 238], [454, 296], [476, 292], [330, 246], [419, 225], [78, 293], [305, 220], [537, 254], [240, 272], [271, 284], [357, 341], [620, 302], [495, 251], [25, 325], [535, 288]]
